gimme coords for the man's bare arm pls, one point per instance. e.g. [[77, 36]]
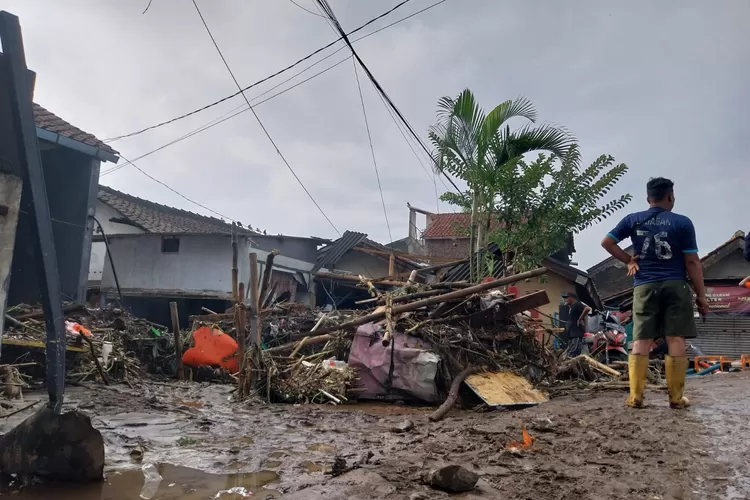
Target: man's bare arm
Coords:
[[611, 246], [586, 311], [695, 272]]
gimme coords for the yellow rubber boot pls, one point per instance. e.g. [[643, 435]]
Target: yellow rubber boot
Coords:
[[637, 371], [676, 368]]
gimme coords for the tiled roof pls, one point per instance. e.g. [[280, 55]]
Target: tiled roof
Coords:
[[448, 226], [157, 218], [49, 121]]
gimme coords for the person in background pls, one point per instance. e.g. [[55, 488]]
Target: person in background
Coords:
[[576, 323], [664, 254]]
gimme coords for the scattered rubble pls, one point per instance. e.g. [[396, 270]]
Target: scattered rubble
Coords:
[[415, 343]]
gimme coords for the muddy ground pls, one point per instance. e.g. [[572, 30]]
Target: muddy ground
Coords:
[[587, 446]]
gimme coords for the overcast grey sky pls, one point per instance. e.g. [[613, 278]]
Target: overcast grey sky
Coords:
[[662, 86]]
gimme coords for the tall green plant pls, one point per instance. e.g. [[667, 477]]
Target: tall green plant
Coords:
[[480, 147], [539, 204]]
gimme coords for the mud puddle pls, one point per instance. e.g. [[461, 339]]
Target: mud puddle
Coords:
[[178, 483]]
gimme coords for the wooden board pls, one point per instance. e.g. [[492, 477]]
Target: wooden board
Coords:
[[504, 389], [39, 345]]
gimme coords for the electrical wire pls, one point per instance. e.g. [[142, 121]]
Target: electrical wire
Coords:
[[283, 70], [244, 108], [175, 191], [325, 7], [307, 10], [226, 116], [372, 150], [261, 123]]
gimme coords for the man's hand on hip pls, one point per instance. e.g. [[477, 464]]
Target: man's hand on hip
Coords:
[[633, 266]]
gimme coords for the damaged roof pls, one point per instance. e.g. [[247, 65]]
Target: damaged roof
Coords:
[[156, 218], [50, 122], [330, 254]]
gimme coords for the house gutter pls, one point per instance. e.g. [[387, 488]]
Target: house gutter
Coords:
[[81, 147]]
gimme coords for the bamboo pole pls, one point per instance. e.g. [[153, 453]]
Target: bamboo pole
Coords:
[[388, 320], [412, 306], [355, 279], [177, 339], [391, 264], [254, 306], [235, 259]]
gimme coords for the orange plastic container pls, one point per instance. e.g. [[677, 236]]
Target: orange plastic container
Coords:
[[213, 348]]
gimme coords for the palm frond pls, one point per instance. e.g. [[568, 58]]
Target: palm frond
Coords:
[[546, 137]]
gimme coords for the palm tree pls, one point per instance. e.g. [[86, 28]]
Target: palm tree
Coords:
[[481, 148]]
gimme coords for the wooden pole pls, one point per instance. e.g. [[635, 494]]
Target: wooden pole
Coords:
[[391, 264], [412, 306], [254, 305], [266, 281], [355, 279], [235, 259], [177, 339], [388, 320]]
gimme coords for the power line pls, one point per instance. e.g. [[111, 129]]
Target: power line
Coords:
[[329, 12], [176, 192], [230, 114], [260, 122], [372, 150], [112, 139], [306, 9], [432, 175]]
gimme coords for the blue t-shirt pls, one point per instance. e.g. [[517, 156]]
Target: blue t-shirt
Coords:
[[660, 242]]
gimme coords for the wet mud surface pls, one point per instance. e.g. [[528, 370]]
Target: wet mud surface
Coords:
[[587, 446]]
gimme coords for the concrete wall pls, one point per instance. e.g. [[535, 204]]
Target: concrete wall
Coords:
[[296, 248], [103, 214], [454, 248], [201, 267], [732, 266], [555, 286], [69, 176], [366, 265]]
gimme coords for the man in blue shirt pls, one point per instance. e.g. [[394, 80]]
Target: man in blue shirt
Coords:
[[664, 255]]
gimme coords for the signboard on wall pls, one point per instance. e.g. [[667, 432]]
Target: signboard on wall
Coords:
[[728, 299]]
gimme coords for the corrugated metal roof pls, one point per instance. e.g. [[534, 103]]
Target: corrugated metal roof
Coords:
[[462, 272], [330, 254]]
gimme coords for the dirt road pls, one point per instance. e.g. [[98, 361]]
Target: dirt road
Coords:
[[587, 446]]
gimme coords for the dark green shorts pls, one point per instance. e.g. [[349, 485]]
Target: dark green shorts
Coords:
[[663, 309]]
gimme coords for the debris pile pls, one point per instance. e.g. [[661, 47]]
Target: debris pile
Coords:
[[411, 345], [108, 344]]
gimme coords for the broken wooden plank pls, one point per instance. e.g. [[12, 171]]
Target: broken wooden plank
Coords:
[[504, 389], [502, 312]]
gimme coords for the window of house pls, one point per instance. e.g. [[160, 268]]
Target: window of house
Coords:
[[170, 245]]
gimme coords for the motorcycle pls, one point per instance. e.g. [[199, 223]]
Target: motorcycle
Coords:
[[609, 343]]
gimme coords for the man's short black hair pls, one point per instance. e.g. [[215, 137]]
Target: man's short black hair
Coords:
[[658, 188], [570, 294]]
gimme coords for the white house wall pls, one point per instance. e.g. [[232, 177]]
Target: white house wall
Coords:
[[98, 250], [201, 267]]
